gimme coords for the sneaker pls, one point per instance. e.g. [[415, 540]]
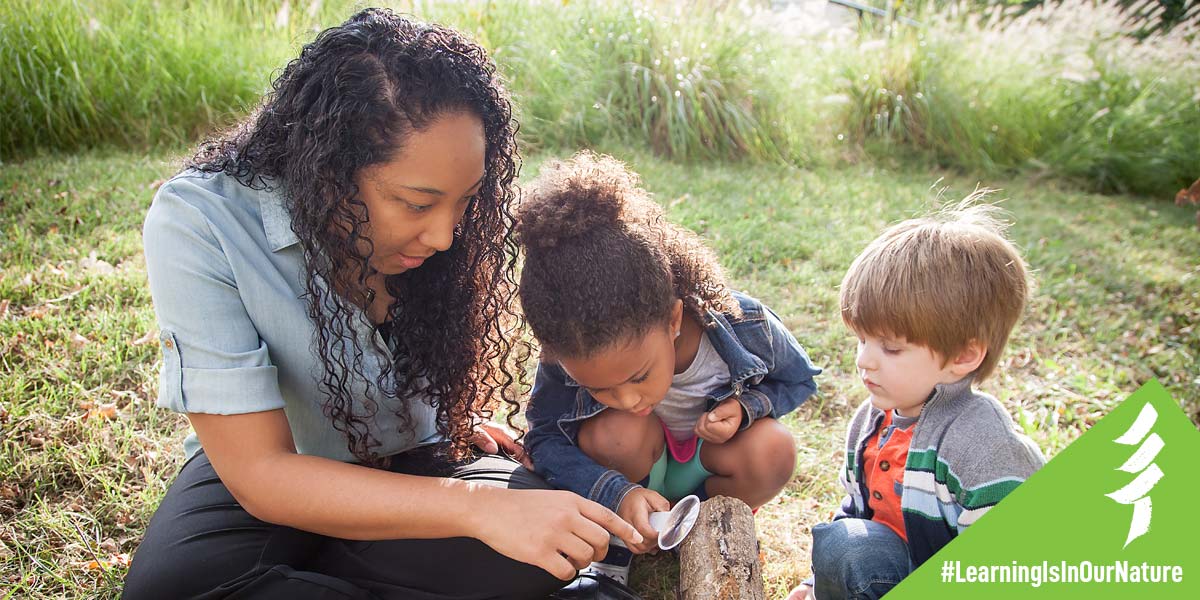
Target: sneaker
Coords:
[[590, 585], [615, 566]]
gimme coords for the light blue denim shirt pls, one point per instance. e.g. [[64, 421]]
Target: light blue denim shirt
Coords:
[[227, 276]]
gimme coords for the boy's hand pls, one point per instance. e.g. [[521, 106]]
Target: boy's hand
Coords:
[[635, 508], [719, 424], [801, 592]]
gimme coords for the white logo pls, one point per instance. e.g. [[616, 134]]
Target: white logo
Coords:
[[1135, 492]]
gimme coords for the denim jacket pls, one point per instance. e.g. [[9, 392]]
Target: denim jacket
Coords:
[[770, 374]]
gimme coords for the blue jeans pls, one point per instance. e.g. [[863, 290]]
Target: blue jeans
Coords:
[[857, 559]]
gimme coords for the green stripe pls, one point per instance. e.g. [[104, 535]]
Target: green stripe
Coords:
[[942, 475], [929, 461], [921, 460], [988, 494]]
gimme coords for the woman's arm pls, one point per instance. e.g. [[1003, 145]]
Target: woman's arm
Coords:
[[218, 370], [254, 455]]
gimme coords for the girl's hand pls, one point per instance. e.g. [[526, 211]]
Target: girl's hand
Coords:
[[719, 424], [635, 508], [558, 531], [494, 437]]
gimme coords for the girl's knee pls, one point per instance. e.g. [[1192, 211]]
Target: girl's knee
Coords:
[[772, 453], [624, 442]]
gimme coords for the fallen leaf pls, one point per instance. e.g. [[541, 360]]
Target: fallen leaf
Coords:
[[102, 412], [95, 265], [4, 308], [149, 336]]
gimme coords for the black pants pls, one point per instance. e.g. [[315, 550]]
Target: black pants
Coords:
[[201, 544]]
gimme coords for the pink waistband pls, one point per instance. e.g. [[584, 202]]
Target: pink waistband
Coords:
[[680, 451]]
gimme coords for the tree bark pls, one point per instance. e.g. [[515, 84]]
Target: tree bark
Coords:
[[719, 559]]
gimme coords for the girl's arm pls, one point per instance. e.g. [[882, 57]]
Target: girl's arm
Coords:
[[254, 456], [787, 384], [557, 457]]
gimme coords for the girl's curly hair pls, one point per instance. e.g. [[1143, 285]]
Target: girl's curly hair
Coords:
[[602, 263], [352, 99]]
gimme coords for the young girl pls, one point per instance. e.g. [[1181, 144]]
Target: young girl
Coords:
[[633, 314]]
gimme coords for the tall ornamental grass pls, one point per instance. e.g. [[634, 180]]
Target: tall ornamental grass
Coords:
[[691, 80], [1060, 89], [1063, 89], [75, 74]]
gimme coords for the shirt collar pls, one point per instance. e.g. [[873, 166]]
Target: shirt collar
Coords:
[[944, 392], [277, 222]]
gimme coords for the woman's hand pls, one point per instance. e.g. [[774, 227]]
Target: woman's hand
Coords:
[[494, 437], [635, 508], [719, 424], [558, 531]]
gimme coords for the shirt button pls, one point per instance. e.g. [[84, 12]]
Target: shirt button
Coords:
[[876, 495], [168, 344], [884, 465]]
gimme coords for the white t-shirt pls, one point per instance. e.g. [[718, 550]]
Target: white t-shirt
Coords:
[[688, 394]]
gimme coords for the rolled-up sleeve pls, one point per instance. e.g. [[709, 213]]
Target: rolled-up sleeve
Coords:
[[214, 360]]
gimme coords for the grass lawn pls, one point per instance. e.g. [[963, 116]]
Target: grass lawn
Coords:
[[85, 456]]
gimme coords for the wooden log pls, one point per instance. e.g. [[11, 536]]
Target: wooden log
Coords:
[[719, 559]]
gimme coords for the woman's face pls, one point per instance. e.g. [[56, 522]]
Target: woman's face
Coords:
[[415, 201]]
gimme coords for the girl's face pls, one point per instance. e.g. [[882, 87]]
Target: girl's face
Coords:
[[633, 375], [415, 201]]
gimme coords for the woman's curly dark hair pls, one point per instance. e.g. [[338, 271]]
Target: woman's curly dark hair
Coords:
[[351, 100], [602, 263]]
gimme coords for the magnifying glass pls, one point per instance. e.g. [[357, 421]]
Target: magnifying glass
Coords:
[[675, 524]]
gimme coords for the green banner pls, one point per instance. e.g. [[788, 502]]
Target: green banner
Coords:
[[1109, 516]]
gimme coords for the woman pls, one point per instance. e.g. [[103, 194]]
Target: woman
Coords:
[[332, 282]]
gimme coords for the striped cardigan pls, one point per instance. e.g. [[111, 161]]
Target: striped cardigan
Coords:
[[965, 456]]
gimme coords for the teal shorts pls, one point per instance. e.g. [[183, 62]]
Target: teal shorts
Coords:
[[678, 472]]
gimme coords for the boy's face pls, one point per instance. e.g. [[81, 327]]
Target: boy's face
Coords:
[[900, 375]]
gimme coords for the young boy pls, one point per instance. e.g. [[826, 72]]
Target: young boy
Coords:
[[932, 301]]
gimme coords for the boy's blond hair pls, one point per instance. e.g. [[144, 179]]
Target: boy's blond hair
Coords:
[[940, 281]]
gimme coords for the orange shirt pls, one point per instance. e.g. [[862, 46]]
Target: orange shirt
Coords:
[[883, 471]]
